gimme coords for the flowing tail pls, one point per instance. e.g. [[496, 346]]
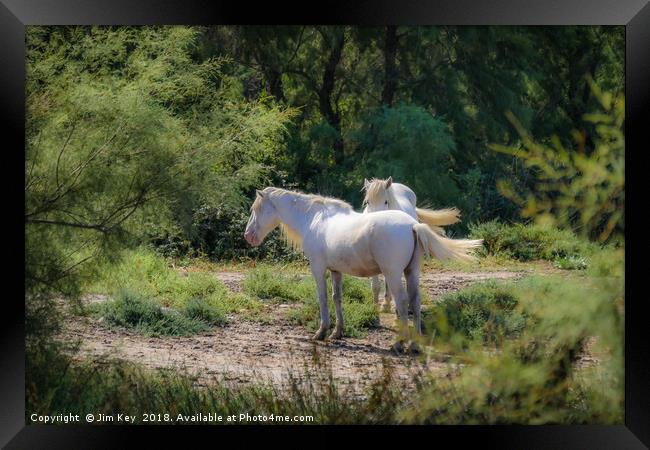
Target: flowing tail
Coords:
[[444, 248], [438, 217]]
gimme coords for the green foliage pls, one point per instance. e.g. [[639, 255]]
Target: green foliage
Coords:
[[532, 378], [582, 188], [571, 263], [530, 242], [143, 271], [220, 236], [198, 309], [131, 310], [130, 137], [147, 274], [484, 312], [266, 283], [410, 144]]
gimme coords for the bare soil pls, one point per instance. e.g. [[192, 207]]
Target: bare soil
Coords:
[[244, 352]]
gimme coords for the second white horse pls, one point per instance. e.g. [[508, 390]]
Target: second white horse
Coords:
[[385, 194]]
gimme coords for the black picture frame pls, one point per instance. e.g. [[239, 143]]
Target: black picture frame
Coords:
[[633, 14]]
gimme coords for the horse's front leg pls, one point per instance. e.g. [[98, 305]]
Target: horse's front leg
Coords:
[[321, 287], [337, 295]]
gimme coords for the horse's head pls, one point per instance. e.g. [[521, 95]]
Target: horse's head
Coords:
[[264, 218], [378, 197]]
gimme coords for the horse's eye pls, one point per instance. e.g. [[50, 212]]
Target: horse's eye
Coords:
[[386, 203]]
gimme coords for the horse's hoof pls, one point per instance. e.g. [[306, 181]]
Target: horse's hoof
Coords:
[[336, 335], [320, 335], [398, 348], [414, 348]]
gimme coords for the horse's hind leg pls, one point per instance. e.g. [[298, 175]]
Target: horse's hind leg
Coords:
[[337, 295], [412, 274], [398, 292], [376, 287], [387, 296]]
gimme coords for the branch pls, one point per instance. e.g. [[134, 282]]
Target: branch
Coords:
[[58, 159]]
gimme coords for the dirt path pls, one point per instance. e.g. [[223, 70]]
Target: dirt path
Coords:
[[245, 352]]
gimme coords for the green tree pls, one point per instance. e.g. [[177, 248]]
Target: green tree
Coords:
[[128, 135]]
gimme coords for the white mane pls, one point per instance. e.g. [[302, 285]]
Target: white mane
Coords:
[[305, 201], [374, 188]]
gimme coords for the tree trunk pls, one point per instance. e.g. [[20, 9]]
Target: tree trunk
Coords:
[[390, 66], [331, 113]]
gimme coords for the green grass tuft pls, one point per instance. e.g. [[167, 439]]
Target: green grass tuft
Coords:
[[147, 274], [198, 309], [132, 310], [487, 312]]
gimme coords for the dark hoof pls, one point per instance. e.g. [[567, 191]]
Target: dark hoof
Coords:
[[336, 335], [414, 348], [398, 348], [320, 335]]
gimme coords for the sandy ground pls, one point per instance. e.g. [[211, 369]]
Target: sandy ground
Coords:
[[244, 352]]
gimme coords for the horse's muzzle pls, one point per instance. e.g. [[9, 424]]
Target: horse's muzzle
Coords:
[[251, 238]]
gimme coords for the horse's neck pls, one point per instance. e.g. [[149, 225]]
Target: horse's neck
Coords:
[[403, 191], [295, 213]]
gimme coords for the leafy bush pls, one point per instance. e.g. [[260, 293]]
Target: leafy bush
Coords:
[[486, 312], [407, 142], [131, 310], [218, 232], [147, 274], [571, 263], [580, 186], [198, 309], [266, 283], [532, 378], [529, 242]]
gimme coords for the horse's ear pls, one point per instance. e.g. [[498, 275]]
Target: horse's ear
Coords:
[[388, 182], [366, 183], [259, 193]]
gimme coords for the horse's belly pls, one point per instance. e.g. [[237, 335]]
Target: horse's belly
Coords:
[[359, 271], [359, 263], [353, 265]]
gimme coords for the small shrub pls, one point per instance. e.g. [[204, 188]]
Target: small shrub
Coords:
[[267, 284], [198, 309], [571, 263], [529, 242], [532, 379], [132, 310], [486, 312], [358, 317]]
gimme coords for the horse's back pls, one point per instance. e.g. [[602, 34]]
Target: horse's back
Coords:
[[391, 238], [361, 244]]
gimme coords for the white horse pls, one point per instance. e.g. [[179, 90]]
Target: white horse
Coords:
[[334, 237], [382, 195]]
